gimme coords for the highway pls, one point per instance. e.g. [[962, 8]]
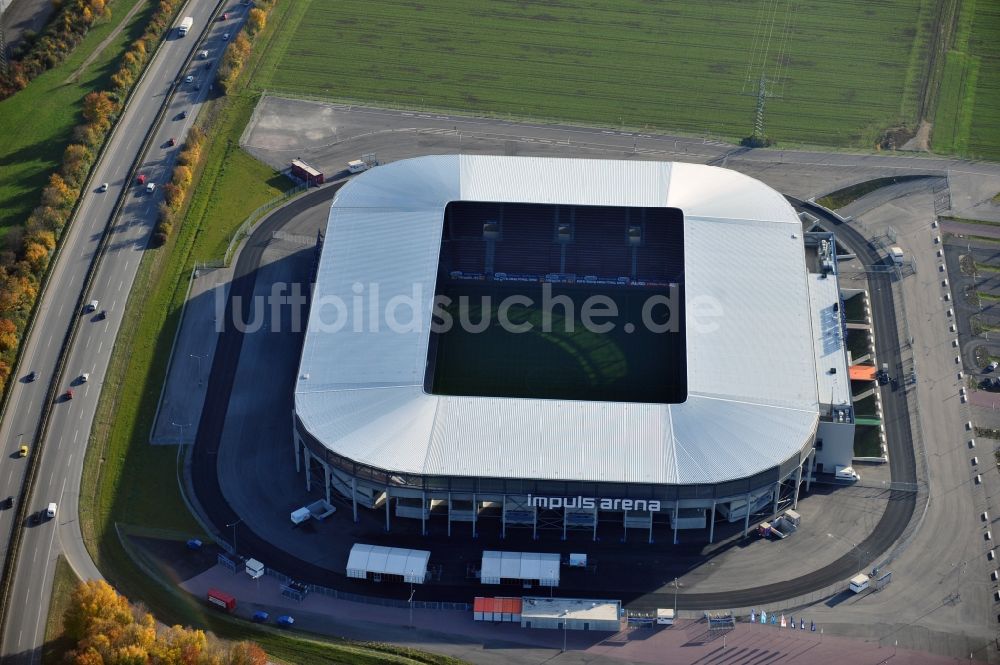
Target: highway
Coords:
[[63, 450]]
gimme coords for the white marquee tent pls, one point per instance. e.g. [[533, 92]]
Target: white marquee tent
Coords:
[[411, 565]]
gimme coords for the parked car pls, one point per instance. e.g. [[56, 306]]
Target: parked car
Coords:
[[260, 617], [286, 621]]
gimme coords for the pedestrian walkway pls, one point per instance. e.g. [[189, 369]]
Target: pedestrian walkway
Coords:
[[456, 634]]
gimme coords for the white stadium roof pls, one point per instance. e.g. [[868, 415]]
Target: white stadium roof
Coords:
[[752, 380]]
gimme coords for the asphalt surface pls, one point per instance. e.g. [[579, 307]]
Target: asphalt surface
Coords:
[[891, 526], [63, 450], [19, 16]]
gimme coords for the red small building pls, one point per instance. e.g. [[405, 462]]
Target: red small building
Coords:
[[307, 173]]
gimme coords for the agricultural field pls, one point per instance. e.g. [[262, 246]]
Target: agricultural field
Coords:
[[967, 121], [838, 74]]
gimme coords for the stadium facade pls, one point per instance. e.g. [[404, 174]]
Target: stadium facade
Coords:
[[765, 400]]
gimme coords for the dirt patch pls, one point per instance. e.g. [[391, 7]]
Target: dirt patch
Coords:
[[921, 141], [895, 137]]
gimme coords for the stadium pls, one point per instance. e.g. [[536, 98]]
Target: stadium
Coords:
[[570, 344]]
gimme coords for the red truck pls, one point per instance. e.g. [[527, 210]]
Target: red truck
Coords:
[[222, 600]]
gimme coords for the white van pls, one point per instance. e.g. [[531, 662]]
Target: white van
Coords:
[[50, 512], [847, 473]]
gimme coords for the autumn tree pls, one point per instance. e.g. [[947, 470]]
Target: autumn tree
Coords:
[[256, 20], [8, 335]]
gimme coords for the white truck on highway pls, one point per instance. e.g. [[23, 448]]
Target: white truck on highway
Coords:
[[185, 25]]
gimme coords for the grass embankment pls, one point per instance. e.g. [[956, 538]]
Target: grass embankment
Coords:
[[967, 119], [843, 197], [56, 642], [672, 65], [36, 124]]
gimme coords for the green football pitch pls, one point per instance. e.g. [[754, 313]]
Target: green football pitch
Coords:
[[567, 361], [838, 73]]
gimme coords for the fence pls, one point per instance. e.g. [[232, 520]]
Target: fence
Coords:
[[247, 226], [371, 600]]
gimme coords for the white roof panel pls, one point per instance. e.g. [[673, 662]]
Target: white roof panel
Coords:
[[752, 379]]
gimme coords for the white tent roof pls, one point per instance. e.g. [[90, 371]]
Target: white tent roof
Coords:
[[411, 565], [752, 389], [519, 566]]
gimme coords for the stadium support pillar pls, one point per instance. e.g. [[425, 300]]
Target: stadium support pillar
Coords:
[[565, 518], [295, 442], [711, 527], [677, 515], [388, 500], [595, 524], [777, 496], [503, 520], [305, 459], [798, 483], [651, 529], [423, 513], [534, 516], [354, 497], [475, 513], [810, 468], [625, 525], [449, 514], [746, 519], [326, 477]]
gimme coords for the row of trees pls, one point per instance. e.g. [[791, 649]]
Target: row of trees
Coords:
[[239, 50], [229, 69], [60, 37], [28, 249], [108, 630], [176, 190]]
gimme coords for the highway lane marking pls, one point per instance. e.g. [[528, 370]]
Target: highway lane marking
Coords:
[[49, 343], [69, 462], [120, 284], [100, 346], [76, 433]]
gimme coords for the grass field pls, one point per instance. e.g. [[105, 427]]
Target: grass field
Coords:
[[967, 121], [847, 71], [36, 124], [565, 362], [56, 642]]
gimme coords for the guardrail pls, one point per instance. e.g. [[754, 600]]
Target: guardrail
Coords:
[[34, 462], [246, 227]]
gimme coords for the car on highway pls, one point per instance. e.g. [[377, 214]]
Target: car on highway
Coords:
[[103, 314], [171, 142], [189, 78], [8, 503], [202, 54], [32, 375], [50, 510], [91, 306], [68, 395], [225, 37], [260, 616], [103, 188], [285, 621], [22, 451], [150, 187], [183, 115], [84, 377], [141, 179], [224, 17]]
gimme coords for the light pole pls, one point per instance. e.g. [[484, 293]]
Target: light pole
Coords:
[[564, 615], [852, 544], [412, 591], [198, 357], [233, 525], [675, 599], [181, 428]]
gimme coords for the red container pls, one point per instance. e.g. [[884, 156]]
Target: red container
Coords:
[[222, 600]]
